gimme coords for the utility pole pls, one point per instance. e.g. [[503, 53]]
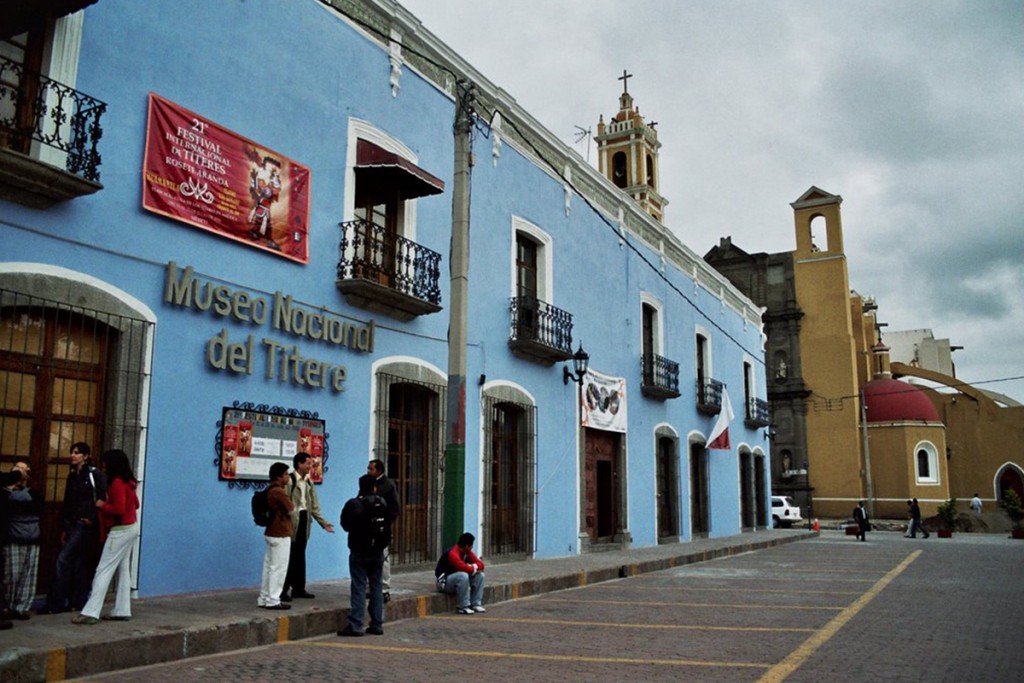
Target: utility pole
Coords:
[[458, 268], [867, 455]]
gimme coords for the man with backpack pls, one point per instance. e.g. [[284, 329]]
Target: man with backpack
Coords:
[[368, 524], [278, 538]]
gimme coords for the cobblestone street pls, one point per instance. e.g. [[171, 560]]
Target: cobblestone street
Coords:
[[831, 609]]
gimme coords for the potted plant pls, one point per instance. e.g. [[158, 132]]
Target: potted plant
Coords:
[[1011, 503], [947, 515]]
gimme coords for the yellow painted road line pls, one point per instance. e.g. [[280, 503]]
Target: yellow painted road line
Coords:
[[527, 656], [715, 605], [802, 579], [780, 671], [785, 591], [684, 627]]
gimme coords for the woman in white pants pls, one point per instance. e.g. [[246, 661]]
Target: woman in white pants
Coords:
[[118, 514]]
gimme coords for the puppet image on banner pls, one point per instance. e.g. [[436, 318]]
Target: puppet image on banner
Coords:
[[203, 174], [604, 402]]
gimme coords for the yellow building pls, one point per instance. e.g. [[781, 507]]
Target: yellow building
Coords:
[[983, 438], [846, 428]]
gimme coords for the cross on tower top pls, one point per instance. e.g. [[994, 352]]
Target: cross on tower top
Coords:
[[625, 80]]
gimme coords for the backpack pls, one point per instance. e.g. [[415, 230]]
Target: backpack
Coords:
[[377, 522], [262, 515]]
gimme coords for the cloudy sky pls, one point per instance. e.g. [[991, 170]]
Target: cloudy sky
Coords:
[[913, 111]]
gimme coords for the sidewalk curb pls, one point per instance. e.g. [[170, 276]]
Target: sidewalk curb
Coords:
[[24, 665]]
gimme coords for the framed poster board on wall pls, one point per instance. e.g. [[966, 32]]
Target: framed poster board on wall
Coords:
[[255, 437]]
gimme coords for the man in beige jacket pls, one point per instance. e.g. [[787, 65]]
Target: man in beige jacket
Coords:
[[302, 494]]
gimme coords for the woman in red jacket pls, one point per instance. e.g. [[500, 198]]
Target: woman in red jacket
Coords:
[[119, 523]]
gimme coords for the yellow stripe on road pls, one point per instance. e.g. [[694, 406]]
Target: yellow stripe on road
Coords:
[[780, 671], [685, 627], [526, 656], [702, 589], [716, 605]]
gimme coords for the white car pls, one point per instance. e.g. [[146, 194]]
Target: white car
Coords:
[[784, 512]]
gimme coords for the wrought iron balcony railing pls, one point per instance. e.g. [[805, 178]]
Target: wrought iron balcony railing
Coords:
[[540, 330], [659, 376], [400, 274], [757, 413], [709, 396], [34, 108]]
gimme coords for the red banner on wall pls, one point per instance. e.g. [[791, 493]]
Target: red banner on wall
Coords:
[[203, 174]]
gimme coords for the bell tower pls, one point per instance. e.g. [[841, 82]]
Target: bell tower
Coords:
[[627, 153]]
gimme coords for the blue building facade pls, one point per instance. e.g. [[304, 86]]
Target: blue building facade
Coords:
[[143, 328]]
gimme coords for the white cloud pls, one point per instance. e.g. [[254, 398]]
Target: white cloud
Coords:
[[912, 111]]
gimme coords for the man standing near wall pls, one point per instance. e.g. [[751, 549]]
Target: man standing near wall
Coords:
[[368, 524], [278, 538], [302, 494], [79, 536], [386, 489]]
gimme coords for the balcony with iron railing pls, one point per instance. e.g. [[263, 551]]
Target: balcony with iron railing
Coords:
[[659, 377], [49, 136], [709, 396], [539, 331], [381, 271], [756, 413]]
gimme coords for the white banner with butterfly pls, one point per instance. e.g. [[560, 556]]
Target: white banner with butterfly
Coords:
[[604, 402]]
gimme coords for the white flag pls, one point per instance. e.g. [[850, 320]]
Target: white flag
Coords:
[[719, 438]]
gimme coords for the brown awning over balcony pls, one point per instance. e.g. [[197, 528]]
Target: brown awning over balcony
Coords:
[[17, 16], [382, 174]]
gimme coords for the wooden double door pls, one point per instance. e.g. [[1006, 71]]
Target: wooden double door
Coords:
[[602, 483]]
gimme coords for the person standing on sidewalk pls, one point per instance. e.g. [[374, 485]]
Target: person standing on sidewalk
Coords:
[[460, 572], [24, 510], [860, 516], [386, 489], [302, 493], [85, 486], [368, 524], [119, 523], [278, 538], [6, 478]]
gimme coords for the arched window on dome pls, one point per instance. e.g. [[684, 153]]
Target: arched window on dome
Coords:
[[926, 463]]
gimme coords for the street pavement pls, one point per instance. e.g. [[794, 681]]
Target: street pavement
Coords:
[[169, 629], [830, 608]]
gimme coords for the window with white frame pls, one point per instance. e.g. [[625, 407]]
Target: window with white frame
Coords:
[[926, 463]]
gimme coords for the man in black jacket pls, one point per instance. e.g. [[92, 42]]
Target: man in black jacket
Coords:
[[386, 489], [80, 533], [368, 524]]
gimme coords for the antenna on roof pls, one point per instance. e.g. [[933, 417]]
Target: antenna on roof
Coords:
[[581, 134]]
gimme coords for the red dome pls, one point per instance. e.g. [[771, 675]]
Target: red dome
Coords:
[[889, 400]]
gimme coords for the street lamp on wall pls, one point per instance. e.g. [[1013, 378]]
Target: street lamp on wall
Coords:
[[580, 360]]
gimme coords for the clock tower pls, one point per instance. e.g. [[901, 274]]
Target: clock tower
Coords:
[[627, 153]]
